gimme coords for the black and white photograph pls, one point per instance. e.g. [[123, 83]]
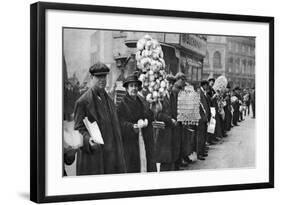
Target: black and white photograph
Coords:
[[154, 102], [131, 102]]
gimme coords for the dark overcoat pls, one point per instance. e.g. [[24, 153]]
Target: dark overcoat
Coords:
[[236, 111], [228, 114], [148, 137], [102, 159], [177, 131], [205, 115], [164, 143], [130, 110]]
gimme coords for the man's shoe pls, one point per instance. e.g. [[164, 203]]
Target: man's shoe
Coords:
[[212, 143], [187, 160], [183, 163], [200, 157]]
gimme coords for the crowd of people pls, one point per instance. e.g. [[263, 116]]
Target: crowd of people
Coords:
[[177, 144]]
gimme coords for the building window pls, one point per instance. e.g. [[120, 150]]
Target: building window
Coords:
[[229, 45], [250, 65], [217, 60], [237, 65], [244, 64], [194, 74], [230, 64], [206, 59], [199, 77]]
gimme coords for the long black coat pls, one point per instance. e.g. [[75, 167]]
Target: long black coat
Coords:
[[236, 111], [130, 111], [205, 112], [107, 158], [177, 131], [205, 115], [164, 144]]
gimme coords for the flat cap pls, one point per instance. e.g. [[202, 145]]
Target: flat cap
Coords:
[[171, 78], [99, 69], [204, 82]]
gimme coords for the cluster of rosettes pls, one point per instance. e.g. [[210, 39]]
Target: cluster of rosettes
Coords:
[[150, 62], [220, 84]]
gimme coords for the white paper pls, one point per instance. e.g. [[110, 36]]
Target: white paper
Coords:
[[213, 111], [71, 138], [211, 126], [94, 131]]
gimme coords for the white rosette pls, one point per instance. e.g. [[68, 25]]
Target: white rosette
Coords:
[[150, 62]]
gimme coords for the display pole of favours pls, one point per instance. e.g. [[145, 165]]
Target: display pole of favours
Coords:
[[151, 65], [220, 88]]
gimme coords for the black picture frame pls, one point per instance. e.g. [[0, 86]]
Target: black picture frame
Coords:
[[38, 100]]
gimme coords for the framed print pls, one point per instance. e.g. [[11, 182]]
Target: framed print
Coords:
[[129, 102]]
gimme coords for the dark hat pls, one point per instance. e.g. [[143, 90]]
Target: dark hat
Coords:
[[180, 75], [99, 69], [237, 88], [178, 85], [228, 85], [211, 79], [204, 82], [130, 79], [171, 78]]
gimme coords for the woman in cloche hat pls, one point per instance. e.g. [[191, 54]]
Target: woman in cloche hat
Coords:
[[133, 116]]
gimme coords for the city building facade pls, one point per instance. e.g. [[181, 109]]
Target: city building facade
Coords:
[[182, 53], [233, 57]]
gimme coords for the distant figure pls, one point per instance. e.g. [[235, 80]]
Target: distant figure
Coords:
[[253, 102], [205, 115], [236, 106], [68, 101]]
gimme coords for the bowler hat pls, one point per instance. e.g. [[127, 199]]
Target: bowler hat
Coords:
[[237, 88], [99, 69], [130, 79], [211, 79], [204, 82]]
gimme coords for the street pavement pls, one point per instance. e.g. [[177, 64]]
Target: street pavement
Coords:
[[234, 151]]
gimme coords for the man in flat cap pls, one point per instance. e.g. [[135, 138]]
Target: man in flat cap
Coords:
[[179, 85], [236, 106], [227, 109], [168, 144], [213, 97], [205, 115], [253, 102], [95, 104], [180, 80]]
